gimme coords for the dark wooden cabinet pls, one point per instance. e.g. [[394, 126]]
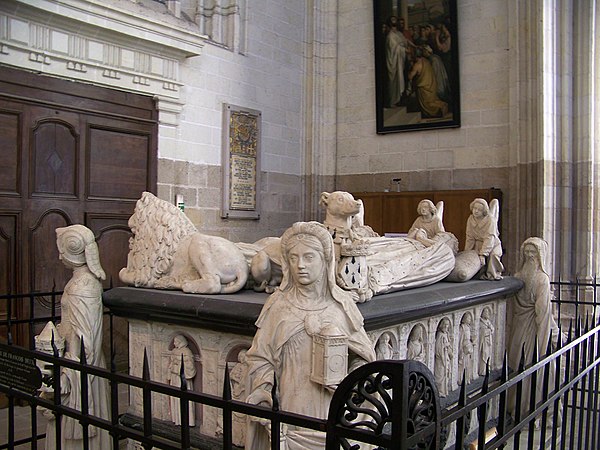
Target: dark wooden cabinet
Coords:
[[395, 212]]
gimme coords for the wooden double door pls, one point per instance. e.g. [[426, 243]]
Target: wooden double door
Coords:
[[69, 153]]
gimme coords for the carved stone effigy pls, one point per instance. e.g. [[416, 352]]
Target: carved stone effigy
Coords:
[[166, 251], [531, 317], [486, 339], [181, 355], [466, 348], [239, 380], [371, 266], [81, 324], [444, 352]]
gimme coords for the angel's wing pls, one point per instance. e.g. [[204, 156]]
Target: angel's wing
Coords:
[[495, 209], [440, 209]]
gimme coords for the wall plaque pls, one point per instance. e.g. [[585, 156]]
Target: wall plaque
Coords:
[[241, 162]]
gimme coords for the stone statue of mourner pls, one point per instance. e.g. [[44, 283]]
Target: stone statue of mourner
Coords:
[[308, 304]]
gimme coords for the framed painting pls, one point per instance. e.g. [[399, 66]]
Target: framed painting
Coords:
[[241, 162], [416, 65]]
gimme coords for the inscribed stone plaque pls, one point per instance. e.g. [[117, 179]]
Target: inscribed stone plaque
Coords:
[[241, 159]]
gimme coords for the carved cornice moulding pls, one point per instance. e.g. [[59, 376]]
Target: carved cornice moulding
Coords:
[[99, 43], [109, 19]]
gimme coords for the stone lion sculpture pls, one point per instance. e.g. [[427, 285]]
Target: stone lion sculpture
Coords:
[[166, 251]]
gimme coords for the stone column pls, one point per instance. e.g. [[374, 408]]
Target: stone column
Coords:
[[320, 103]]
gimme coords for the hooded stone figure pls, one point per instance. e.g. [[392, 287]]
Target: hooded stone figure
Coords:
[[81, 319], [531, 312], [308, 302]]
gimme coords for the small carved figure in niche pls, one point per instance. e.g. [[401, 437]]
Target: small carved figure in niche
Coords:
[[483, 237], [384, 348], [443, 358], [486, 340], [531, 315], [428, 227], [466, 348], [81, 319], [308, 302], [238, 377], [180, 352], [415, 349]]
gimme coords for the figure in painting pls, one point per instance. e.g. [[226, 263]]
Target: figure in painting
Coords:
[[384, 348], [482, 236], [531, 314], [423, 81], [81, 322], [428, 227], [466, 348], [307, 303], [181, 353], [443, 358], [415, 349], [395, 56], [486, 340]]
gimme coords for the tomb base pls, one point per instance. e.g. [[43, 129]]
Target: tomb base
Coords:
[[219, 327]]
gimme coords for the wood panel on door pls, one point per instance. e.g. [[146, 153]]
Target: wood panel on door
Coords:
[[69, 153]]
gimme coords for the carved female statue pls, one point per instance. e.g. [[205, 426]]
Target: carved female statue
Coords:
[[181, 351], [482, 236], [415, 349], [308, 302], [443, 358], [465, 349], [81, 319], [531, 312], [486, 340]]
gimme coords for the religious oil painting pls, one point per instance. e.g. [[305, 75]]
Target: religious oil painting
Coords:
[[241, 162], [416, 65]]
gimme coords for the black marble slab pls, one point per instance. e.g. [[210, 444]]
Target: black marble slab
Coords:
[[236, 313]]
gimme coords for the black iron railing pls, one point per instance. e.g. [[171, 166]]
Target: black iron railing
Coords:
[[390, 404]]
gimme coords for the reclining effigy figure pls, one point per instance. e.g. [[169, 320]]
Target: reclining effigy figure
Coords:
[[370, 266], [166, 251]]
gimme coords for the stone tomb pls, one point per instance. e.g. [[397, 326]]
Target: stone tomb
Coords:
[[400, 324]]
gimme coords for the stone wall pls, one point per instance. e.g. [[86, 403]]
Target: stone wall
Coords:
[[268, 77], [200, 185]]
